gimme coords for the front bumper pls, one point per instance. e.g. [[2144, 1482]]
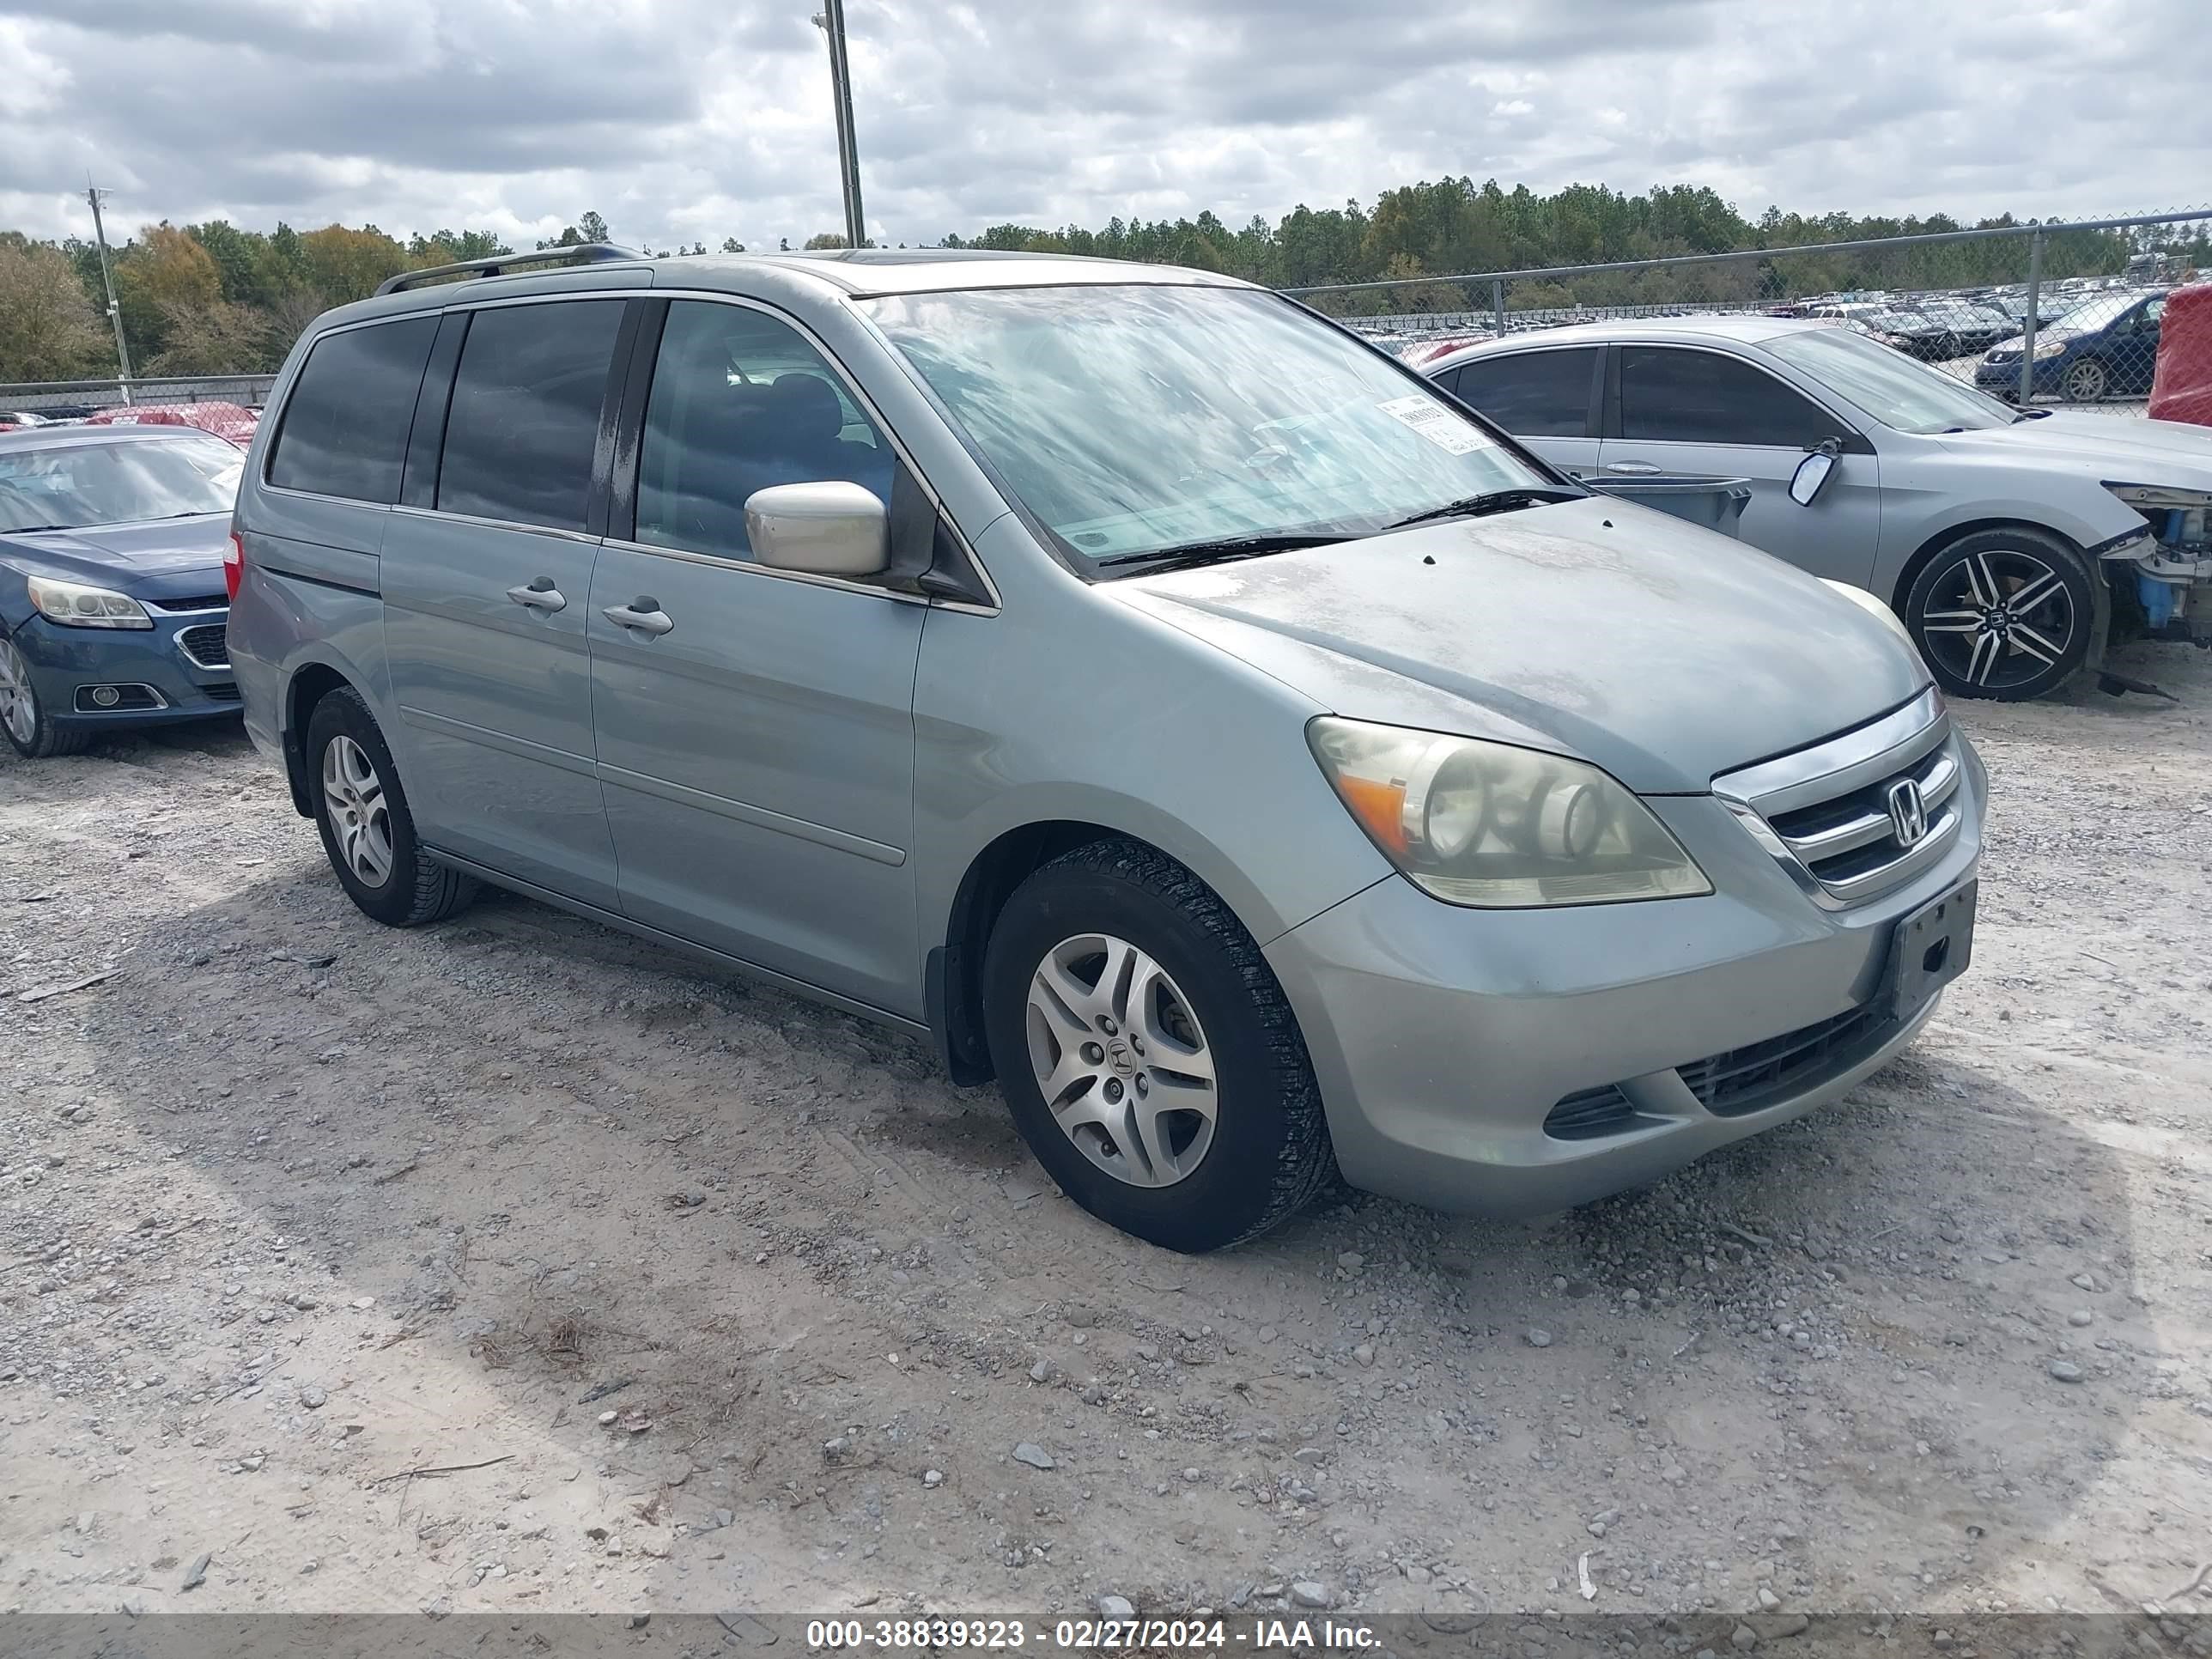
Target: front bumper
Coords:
[[68, 663], [1444, 1038], [2003, 380]]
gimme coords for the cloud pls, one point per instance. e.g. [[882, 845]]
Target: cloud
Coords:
[[683, 120]]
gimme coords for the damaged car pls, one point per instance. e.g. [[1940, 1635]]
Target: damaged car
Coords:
[[2015, 545]]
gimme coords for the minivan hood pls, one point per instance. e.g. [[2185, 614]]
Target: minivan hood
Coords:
[[161, 559], [1661, 651], [2117, 450]]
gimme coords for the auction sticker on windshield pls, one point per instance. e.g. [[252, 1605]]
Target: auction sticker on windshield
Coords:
[[1436, 424]]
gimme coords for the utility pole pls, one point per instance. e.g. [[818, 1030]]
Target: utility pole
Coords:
[[92, 193], [830, 19]]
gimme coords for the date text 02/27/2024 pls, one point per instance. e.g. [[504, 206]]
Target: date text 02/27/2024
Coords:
[[1097, 1635]]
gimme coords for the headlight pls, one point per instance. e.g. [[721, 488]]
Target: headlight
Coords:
[[1495, 827], [79, 606], [1866, 601], [2050, 348]]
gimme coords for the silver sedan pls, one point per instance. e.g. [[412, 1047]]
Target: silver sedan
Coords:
[[2013, 545]]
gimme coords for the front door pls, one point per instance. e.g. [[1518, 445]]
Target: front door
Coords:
[[755, 729], [1687, 410], [487, 584]]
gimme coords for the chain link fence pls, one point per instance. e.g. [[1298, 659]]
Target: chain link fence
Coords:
[[227, 405], [2050, 314], [2058, 314]]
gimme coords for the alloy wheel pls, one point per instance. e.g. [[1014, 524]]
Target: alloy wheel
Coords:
[[2085, 382], [1121, 1060], [18, 703], [1999, 618], [353, 799]]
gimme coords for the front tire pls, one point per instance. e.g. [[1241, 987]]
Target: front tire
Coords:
[[1148, 1054], [367, 832], [2003, 614], [30, 727], [2086, 382]]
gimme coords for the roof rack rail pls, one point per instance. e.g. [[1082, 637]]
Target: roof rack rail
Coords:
[[586, 253]]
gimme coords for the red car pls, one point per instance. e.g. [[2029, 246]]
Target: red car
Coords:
[[2181, 387], [233, 422]]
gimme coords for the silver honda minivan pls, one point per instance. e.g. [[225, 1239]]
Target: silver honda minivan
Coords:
[[1122, 675]]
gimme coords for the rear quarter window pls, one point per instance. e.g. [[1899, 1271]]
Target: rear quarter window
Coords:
[[343, 430]]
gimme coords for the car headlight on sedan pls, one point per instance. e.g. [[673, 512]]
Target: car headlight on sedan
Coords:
[[1494, 827], [2048, 347], [1873, 606], [76, 605]]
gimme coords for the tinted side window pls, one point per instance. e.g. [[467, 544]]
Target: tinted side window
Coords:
[[344, 429], [740, 402], [1673, 395], [1532, 394], [526, 412]]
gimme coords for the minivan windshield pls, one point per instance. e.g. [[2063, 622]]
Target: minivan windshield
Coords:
[[1888, 385], [1137, 419], [76, 485]]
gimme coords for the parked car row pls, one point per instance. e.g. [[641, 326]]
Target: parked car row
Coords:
[[235, 423], [1262, 761]]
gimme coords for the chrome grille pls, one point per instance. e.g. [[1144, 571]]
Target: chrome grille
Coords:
[[1837, 816], [207, 645]]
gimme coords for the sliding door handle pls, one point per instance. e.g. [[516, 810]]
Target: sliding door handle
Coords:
[[539, 595]]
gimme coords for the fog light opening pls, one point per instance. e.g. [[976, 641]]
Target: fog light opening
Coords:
[[105, 696]]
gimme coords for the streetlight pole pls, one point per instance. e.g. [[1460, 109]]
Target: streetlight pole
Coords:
[[92, 193], [830, 19]]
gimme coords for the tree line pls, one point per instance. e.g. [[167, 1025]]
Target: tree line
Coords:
[[1454, 226], [212, 298]]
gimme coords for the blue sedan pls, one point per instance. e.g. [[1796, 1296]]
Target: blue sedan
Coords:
[[113, 603], [2107, 345]]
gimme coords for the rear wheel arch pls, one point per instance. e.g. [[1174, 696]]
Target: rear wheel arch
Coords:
[[307, 687]]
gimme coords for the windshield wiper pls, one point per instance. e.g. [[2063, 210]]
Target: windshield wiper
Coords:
[[2031, 415], [34, 528], [1221, 551], [1494, 501]]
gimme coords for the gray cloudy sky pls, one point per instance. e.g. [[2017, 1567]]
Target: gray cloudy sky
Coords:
[[698, 119]]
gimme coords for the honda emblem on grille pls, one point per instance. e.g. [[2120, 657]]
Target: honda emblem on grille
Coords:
[[1908, 813]]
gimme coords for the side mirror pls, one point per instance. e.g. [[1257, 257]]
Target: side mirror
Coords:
[[1811, 477], [826, 529]]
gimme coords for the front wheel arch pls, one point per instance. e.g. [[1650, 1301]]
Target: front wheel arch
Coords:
[[953, 975], [2100, 586], [2022, 544]]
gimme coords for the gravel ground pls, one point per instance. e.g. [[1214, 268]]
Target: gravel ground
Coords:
[[515, 1266]]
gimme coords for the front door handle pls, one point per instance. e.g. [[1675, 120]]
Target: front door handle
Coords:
[[641, 615], [539, 595], [1633, 468]]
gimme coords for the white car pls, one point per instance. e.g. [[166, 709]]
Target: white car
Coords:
[[2014, 546]]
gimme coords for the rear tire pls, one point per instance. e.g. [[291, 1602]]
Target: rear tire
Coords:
[[30, 728], [2003, 614], [367, 832], [1185, 1108]]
